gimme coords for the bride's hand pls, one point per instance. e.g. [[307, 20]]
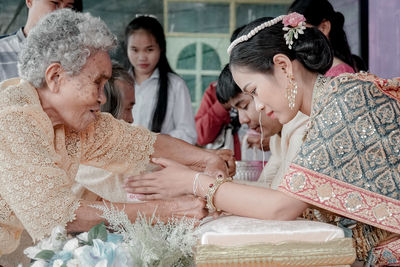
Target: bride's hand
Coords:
[[172, 180]]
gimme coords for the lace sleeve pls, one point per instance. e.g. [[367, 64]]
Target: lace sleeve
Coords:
[[117, 146], [33, 185]]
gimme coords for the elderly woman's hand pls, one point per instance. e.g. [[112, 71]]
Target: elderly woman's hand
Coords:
[[228, 157], [213, 164], [225, 160], [173, 180], [184, 206]]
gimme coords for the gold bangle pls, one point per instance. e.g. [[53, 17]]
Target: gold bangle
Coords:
[[212, 189]]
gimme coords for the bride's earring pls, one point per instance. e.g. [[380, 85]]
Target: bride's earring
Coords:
[[291, 91]]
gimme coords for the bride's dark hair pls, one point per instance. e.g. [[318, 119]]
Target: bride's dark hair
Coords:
[[315, 12], [311, 49]]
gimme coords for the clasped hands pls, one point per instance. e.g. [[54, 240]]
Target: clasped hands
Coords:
[[175, 179]]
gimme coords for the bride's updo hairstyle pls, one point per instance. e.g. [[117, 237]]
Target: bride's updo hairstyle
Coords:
[[311, 49], [316, 12]]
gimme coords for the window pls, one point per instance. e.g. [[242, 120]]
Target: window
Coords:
[[199, 65], [198, 33]]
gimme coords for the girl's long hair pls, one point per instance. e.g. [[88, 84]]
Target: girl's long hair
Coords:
[[152, 26]]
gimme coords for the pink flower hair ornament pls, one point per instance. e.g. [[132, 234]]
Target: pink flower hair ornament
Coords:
[[295, 24]]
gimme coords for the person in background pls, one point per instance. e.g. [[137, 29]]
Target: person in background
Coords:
[[284, 141], [120, 94], [212, 117], [359, 63], [164, 104], [320, 14], [11, 45]]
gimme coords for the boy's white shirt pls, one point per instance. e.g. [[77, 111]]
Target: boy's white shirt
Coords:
[[284, 149]]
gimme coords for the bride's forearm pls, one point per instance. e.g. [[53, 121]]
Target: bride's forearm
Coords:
[[252, 201]]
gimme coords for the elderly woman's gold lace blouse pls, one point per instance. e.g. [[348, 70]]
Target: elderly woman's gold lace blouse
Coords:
[[38, 163]]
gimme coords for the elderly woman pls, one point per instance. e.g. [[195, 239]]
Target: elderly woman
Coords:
[[51, 122]]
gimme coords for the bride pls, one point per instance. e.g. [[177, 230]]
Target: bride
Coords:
[[348, 165]]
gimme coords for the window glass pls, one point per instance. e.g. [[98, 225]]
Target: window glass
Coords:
[[206, 80], [187, 58], [190, 81], [198, 17], [211, 59], [246, 13]]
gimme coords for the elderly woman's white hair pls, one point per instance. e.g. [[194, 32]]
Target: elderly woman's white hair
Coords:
[[63, 36]]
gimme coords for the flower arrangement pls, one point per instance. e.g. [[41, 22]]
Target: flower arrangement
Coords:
[[146, 242], [294, 23]]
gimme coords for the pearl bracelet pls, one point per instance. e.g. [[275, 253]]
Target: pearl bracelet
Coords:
[[211, 192]]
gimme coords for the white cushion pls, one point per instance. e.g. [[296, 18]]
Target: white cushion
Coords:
[[236, 231]]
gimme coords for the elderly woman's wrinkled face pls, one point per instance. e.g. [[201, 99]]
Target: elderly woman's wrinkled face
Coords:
[[84, 93]]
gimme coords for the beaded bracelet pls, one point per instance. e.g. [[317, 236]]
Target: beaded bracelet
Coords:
[[195, 182], [211, 192]]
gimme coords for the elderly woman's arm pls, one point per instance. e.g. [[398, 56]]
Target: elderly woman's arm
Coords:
[[195, 157], [121, 148], [186, 206]]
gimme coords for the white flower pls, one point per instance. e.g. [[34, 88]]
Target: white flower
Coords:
[[73, 263], [58, 263], [45, 244], [78, 252], [100, 254], [56, 240], [71, 245], [39, 263], [102, 263], [122, 258], [83, 236], [31, 252]]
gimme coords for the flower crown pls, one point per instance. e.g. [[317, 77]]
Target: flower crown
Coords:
[[294, 24]]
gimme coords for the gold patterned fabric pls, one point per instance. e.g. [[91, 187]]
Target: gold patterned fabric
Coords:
[[349, 163], [337, 252], [38, 163]]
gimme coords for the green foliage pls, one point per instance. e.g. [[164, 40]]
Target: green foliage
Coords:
[[45, 255], [98, 231]]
